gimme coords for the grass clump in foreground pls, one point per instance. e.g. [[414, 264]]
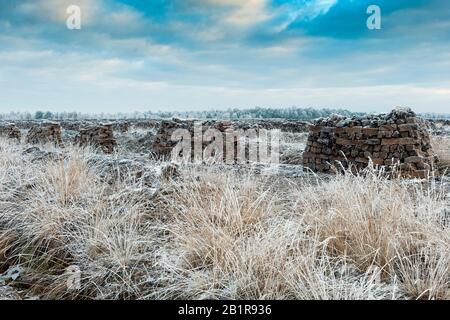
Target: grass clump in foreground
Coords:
[[220, 235], [441, 145]]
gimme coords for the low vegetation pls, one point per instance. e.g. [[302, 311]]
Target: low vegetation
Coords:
[[293, 113], [217, 234], [441, 145]]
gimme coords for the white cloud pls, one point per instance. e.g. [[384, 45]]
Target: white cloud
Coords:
[[240, 13], [117, 63], [56, 10], [307, 10]]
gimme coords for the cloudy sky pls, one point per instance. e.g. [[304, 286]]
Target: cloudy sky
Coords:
[[137, 55]]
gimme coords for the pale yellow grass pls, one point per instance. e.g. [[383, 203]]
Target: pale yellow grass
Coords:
[[217, 234], [354, 237], [441, 146]]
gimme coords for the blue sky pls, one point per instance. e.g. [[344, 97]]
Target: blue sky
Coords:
[[137, 55]]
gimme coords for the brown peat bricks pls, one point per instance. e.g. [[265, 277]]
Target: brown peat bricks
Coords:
[[163, 143], [121, 126], [100, 136], [398, 138], [10, 130], [45, 132]]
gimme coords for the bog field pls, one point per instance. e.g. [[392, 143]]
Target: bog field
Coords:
[[92, 210]]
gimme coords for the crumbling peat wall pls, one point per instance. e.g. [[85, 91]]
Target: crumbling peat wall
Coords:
[[163, 143], [45, 132], [234, 142], [101, 136], [398, 138], [10, 130]]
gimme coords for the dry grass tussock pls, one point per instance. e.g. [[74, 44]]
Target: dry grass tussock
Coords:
[[441, 145], [220, 235]]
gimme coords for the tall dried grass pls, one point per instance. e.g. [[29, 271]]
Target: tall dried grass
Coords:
[[354, 237], [218, 234], [441, 145]]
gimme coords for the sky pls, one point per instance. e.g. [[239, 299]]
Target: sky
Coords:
[[138, 55]]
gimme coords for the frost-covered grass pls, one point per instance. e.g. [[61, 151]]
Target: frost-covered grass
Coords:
[[441, 145], [219, 235]]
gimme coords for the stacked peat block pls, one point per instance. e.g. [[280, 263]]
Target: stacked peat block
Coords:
[[221, 140], [397, 139], [293, 126], [163, 143], [121, 126], [45, 132], [71, 125], [10, 130], [101, 136]]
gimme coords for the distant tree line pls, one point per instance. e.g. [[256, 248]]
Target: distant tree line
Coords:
[[260, 113], [432, 115], [253, 113]]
